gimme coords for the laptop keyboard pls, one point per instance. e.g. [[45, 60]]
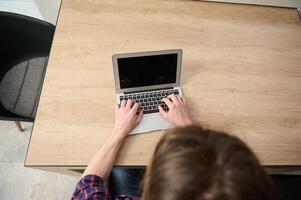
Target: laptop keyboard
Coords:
[[149, 101]]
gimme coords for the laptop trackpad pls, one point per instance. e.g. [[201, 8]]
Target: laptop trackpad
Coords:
[[152, 122]]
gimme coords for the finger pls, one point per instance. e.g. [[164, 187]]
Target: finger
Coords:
[[184, 100], [180, 99], [139, 118], [123, 103], [162, 112], [135, 108], [174, 99], [167, 102], [129, 103]]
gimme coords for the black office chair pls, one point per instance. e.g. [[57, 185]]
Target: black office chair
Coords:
[[25, 44]]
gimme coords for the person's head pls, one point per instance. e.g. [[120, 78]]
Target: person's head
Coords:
[[196, 164]]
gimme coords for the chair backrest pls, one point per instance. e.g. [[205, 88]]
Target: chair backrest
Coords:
[[22, 38]]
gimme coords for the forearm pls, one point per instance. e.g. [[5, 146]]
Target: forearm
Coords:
[[102, 163]]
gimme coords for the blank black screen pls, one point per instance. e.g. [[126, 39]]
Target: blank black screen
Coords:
[[147, 70]]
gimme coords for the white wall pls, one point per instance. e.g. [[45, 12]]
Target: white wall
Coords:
[[46, 10], [49, 9], [24, 7]]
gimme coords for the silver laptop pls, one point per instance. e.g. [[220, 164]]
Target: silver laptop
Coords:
[[147, 77]]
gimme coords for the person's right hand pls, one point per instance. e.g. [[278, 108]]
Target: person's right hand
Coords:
[[177, 113]]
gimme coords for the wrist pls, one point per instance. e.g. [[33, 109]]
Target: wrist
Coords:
[[118, 134], [116, 141]]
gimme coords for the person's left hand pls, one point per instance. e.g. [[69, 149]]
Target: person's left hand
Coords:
[[126, 118]]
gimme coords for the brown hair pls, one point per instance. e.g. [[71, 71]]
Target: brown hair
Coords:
[[196, 164]]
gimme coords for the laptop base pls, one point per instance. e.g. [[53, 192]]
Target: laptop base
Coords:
[[151, 122]]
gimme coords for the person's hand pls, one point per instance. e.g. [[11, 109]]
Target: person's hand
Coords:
[[126, 118], [177, 113]]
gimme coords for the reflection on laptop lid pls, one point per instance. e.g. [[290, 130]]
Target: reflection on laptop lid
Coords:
[[147, 70]]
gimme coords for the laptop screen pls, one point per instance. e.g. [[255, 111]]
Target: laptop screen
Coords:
[[147, 70]]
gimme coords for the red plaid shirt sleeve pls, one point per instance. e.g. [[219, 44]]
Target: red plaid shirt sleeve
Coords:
[[90, 187]]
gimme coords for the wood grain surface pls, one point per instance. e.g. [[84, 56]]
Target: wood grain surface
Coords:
[[241, 74]]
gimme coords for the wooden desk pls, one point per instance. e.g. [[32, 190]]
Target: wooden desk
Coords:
[[241, 74]]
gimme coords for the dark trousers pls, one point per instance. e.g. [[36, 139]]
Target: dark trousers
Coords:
[[126, 181]]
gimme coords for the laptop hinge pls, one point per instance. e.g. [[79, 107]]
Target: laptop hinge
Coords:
[[148, 90]]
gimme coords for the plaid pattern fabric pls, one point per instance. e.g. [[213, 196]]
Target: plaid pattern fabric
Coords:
[[91, 187]]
